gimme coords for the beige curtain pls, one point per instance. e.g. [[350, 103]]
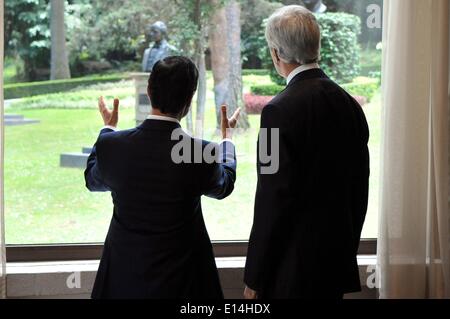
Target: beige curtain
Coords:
[[2, 224], [413, 253]]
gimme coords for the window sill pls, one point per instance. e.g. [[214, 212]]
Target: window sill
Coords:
[[49, 279]]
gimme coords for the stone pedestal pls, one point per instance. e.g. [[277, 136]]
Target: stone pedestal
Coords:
[[142, 105], [75, 160], [17, 120]]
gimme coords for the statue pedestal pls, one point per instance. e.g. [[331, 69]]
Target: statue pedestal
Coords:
[[142, 105]]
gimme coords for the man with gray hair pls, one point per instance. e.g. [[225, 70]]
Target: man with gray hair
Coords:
[[309, 214]]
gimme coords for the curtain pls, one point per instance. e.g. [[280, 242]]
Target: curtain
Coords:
[[2, 224], [413, 243]]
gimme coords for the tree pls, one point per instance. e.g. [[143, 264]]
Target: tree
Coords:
[[254, 45], [201, 64], [225, 46], [59, 58], [27, 35]]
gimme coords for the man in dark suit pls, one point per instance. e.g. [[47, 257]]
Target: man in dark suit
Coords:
[[311, 199], [157, 244]]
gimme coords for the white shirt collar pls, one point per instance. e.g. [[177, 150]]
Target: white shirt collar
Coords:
[[162, 118], [300, 69]]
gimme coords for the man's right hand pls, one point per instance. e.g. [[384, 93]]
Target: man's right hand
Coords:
[[228, 124]]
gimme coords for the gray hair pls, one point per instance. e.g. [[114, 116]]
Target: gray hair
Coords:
[[294, 33]]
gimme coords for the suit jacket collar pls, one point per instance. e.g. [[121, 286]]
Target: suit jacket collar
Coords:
[[308, 75], [153, 124]]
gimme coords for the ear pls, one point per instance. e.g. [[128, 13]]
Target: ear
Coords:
[[275, 53]]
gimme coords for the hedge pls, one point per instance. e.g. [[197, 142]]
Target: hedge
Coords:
[[19, 90], [340, 52], [362, 89], [266, 90], [366, 87], [259, 72], [361, 86], [254, 104]]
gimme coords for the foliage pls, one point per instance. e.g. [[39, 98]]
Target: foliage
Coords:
[[254, 12], [82, 97], [107, 30], [27, 34], [371, 62], [258, 72], [20, 90], [115, 30], [340, 49], [361, 86], [10, 69], [254, 104], [366, 87], [267, 90], [362, 89], [369, 37]]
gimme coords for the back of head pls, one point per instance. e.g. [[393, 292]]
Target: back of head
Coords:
[[172, 84], [294, 33]]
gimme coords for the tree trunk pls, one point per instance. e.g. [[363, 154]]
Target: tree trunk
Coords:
[[233, 13], [200, 60], [201, 96], [219, 59], [59, 59], [225, 46]]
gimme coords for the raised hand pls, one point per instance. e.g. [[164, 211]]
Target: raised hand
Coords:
[[250, 294], [110, 118], [228, 124]]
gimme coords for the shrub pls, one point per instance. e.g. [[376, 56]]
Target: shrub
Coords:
[[366, 87], [361, 86], [19, 90], [370, 62], [81, 97], [258, 72], [362, 89], [340, 52], [266, 90], [254, 104]]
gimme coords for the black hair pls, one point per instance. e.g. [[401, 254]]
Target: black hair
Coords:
[[172, 84]]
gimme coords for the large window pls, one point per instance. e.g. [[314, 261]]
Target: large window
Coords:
[[50, 123]]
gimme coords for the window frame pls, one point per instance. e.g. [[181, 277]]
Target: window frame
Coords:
[[93, 251], [70, 252]]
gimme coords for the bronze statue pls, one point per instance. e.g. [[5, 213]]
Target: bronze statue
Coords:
[[157, 33], [315, 6]]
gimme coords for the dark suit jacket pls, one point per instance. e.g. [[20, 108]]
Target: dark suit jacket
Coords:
[[157, 244], [309, 216]]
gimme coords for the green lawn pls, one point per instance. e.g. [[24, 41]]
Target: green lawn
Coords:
[[48, 204]]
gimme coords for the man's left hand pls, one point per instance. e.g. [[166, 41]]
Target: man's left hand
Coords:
[[250, 294]]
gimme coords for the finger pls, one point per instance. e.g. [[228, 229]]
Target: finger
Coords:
[[116, 106], [233, 120], [224, 121], [236, 113], [101, 104], [224, 112]]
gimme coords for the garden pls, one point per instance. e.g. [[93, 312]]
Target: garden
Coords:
[[46, 203]]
